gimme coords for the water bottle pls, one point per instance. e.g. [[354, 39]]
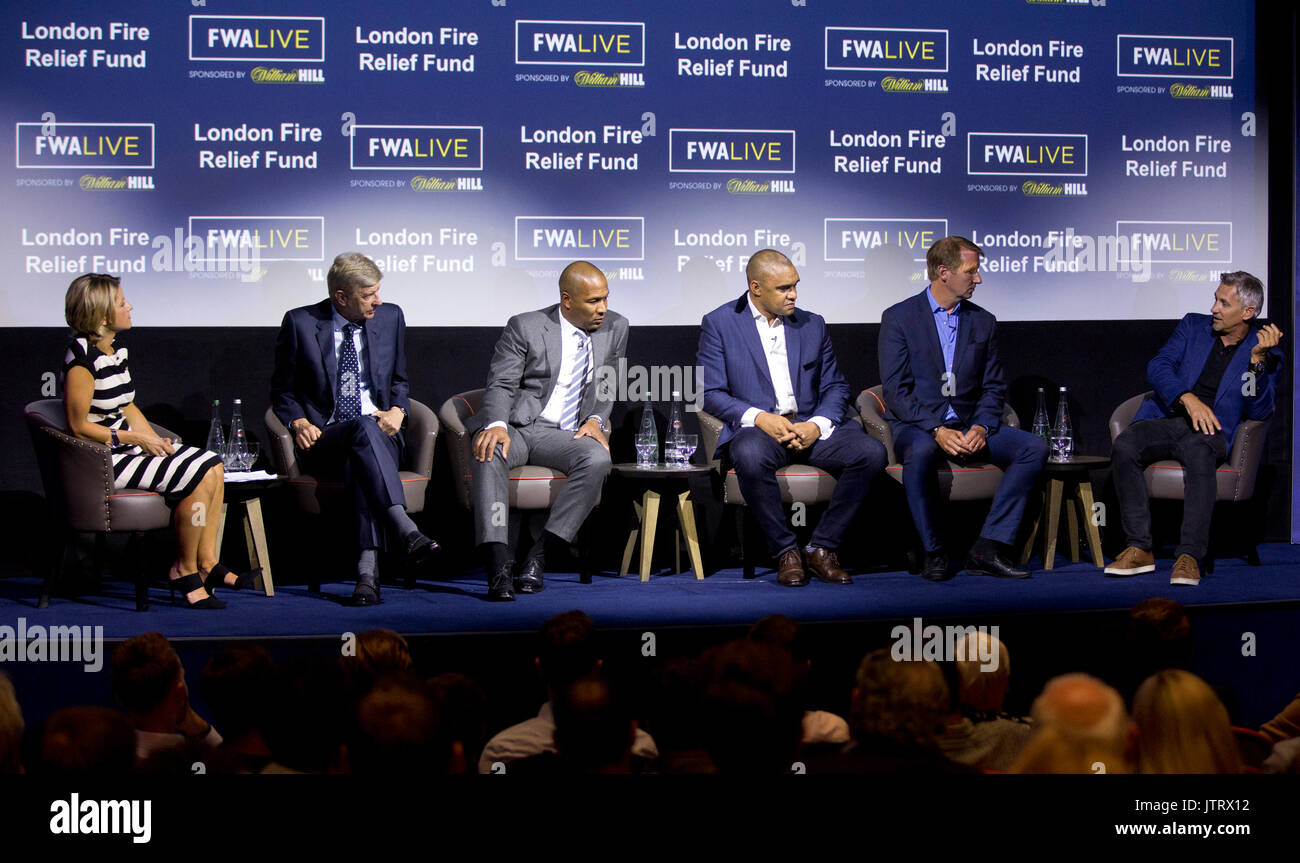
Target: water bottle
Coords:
[[238, 442], [672, 445], [1062, 442], [647, 439], [216, 440], [1041, 427]]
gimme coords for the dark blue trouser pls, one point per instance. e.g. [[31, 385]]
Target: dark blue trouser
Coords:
[[1149, 441], [849, 455], [365, 459], [1020, 454]]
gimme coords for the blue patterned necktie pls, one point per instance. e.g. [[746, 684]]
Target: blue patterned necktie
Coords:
[[577, 383], [348, 395]]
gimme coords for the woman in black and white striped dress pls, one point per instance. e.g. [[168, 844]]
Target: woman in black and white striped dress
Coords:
[[100, 401]]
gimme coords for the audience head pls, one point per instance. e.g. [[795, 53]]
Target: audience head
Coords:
[[462, 715], [783, 632], [568, 649], [983, 689], [905, 702], [379, 652], [148, 678], [11, 728], [397, 731], [1182, 726], [87, 741], [88, 305], [1087, 715], [752, 710], [594, 729], [235, 685], [1051, 750], [309, 714]]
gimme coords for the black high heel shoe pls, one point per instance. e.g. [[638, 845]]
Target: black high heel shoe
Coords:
[[188, 584], [217, 578]]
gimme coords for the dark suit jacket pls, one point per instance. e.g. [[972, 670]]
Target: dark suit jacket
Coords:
[[912, 369], [736, 376], [306, 368], [1177, 367], [526, 364]]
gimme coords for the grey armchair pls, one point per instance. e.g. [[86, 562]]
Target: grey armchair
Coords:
[[312, 495], [801, 483], [78, 479], [1235, 478], [532, 487]]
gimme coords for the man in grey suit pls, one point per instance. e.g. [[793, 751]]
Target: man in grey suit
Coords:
[[542, 407]]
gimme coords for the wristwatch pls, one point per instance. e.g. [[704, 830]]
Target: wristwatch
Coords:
[[1260, 367]]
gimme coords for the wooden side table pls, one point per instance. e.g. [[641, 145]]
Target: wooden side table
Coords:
[[1067, 481], [248, 495], [660, 481]]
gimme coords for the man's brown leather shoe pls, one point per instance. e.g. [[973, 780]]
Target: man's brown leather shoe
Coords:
[[826, 566], [789, 569]]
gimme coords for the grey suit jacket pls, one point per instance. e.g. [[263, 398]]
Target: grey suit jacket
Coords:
[[526, 364]]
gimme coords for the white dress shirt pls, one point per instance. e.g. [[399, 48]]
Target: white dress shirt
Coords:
[[772, 337], [570, 336]]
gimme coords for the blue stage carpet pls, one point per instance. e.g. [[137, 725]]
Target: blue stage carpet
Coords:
[[459, 605]]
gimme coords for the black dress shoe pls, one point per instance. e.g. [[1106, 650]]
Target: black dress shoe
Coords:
[[419, 548], [499, 584], [530, 579], [993, 564], [366, 592], [936, 567]]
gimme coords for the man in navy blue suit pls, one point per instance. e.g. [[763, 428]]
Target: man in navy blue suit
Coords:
[[340, 386], [770, 375], [1204, 386], [945, 393]]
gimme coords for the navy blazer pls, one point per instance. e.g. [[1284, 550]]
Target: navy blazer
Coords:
[[912, 368], [306, 368], [1179, 364], [736, 377]]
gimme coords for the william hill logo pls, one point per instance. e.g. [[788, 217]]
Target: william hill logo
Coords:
[[851, 239], [275, 238], [585, 78], [560, 238], [900, 84], [1174, 56], [257, 38], [755, 151], [1019, 153], [86, 145], [886, 49], [1179, 242], [586, 43], [417, 148]]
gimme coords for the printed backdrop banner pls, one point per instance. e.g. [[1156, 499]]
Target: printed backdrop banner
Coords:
[[218, 154]]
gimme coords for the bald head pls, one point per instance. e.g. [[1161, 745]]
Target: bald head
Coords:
[[764, 262], [1083, 708], [584, 295]]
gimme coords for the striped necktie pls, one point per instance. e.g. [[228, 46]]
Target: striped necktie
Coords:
[[577, 386]]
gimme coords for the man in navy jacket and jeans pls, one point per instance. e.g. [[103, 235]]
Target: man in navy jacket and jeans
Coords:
[[1215, 371]]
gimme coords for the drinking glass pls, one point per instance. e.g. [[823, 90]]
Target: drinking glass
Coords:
[[686, 447], [646, 449], [249, 456]]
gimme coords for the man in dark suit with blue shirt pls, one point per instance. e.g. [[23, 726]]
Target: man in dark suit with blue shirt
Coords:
[[770, 375], [945, 393], [340, 386], [1204, 385]]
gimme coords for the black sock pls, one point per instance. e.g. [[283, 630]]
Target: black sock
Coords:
[[985, 547], [496, 555]]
